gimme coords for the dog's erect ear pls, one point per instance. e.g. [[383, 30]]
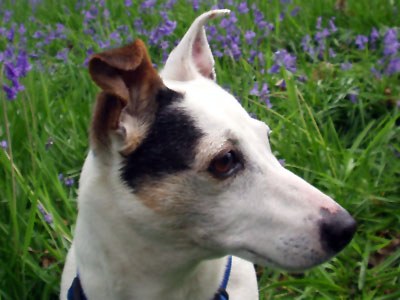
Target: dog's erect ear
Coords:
[[129, 85], [192, 57]]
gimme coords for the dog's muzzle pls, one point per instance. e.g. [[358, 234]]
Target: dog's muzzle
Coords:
[[336, 230]]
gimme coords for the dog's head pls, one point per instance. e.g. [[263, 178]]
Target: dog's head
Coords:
[[184, 163]]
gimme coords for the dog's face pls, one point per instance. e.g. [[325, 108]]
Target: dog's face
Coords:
[[185, 163]]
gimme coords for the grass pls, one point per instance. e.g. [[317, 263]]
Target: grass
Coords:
[[350, 150]]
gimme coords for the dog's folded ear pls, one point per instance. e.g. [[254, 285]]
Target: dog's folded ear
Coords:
[[129, 85], [193, 57]]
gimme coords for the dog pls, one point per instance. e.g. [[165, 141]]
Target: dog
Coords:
[[180, 193]]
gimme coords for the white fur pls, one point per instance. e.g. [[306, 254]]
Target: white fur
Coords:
[[124, 249]]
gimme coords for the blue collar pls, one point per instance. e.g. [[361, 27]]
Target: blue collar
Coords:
[[75, 292]]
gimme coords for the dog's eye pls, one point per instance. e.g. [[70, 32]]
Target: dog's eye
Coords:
[[224, 165]]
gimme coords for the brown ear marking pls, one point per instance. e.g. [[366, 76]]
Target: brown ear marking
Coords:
[[128, 82]]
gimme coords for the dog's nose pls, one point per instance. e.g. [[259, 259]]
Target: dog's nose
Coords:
[[336, 230]]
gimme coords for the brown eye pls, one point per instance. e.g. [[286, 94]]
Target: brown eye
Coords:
[[224, 165]]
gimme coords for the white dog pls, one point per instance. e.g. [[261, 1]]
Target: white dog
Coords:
[[178, 178]]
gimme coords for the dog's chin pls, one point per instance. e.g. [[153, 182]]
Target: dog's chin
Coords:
[[292, 264]]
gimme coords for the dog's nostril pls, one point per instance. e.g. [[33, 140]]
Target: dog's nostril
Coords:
[[336, 230]]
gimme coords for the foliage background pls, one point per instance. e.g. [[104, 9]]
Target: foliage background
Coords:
[[323, 74]]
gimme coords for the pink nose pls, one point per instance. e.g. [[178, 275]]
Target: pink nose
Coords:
[[336, 230]]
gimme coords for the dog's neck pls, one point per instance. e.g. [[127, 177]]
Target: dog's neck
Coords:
[[123, 263]]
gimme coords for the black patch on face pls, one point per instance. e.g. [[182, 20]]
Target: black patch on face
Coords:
[[169, 146]]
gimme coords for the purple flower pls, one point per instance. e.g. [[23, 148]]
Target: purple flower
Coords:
[[259, 19], [249, 35], [10, 34], [274, 69], [346, 66], [48, 218], [243, 8], [147, 4], [105, 44], [128, 3], [374, 35], [49, 143], [4, 144], [331, 53], [361, 40], [41, 209], [106, 13], [38, 34], [319, 21], [332, 25], [168, 27], [7, 16], [114, 36], [393, 66], [170, 4], [376, 73], [11, 92], [295, 11], [21, 29], [264, 89], [354, 96], [391, 45], [63, 55], [321, 35], [282, 162], [196, 5], [283, 58], [22, 63], [255, 91], [69, 182], [263, 94], [306, 44], [89, 52], [60, 177]]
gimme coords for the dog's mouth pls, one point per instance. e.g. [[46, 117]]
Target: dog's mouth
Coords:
[[294, 263]]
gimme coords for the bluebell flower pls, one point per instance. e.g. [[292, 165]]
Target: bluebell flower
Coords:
[[63, 55], [274, 69], [332, 25], [243, 8], [346, 66], [391, 45], [149, 4], [393, 66], [49, 143], [283, 58], [196, 5], [249, 36], [69, 182], [319, 21], [4, 144], [10, 34], [254, 91], [354, 96], [11, 92], [374, 35], [295, 11], [47, 217], [7, 16], [361, 40]]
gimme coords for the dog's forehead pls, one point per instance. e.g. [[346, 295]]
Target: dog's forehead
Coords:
[[216, 110]]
